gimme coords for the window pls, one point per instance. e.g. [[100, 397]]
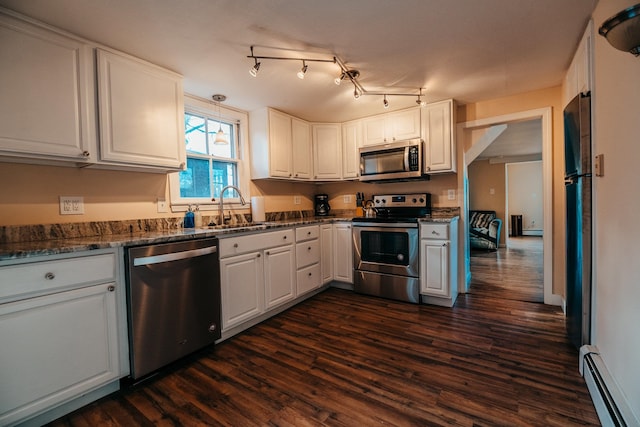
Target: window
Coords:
[[210, 166]]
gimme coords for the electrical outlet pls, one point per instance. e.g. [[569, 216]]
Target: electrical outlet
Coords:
[[492, 191], [346, 198], [162, 206], [296, 200], [451, 194], [71, 205]]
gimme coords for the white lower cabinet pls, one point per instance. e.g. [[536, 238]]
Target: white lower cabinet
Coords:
[[257, 273], [342, 253], [308, 258], [62, 340], [326, 253], [439, 263]]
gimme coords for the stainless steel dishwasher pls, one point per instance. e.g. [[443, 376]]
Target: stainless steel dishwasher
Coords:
[[173, 302]]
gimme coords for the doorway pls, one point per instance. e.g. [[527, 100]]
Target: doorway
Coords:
[[481, 132]]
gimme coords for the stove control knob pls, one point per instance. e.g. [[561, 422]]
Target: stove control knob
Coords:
[[414, 200], [378, 201], [400, 257], [421, 200], [384, 201]]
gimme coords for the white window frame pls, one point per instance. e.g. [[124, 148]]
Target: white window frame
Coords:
[[200, 106]]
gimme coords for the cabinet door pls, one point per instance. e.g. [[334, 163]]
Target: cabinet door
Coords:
[[342, 253], [47, 107], [301, 149], [374, 130], [279, 276], [326, 253], [404, 124], [242, 290], [141, 113], [280, 152], [434, 276], [438, 137], [327, 151], [55, 348], [351, 140]]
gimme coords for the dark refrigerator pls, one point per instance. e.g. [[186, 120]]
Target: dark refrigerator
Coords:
[[577, 153]]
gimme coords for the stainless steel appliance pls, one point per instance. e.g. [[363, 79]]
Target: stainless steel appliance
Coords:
[[173, 302], [394, 161], [577, 136], [321, 204], [386, 256]]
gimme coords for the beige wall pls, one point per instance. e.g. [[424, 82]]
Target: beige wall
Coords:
[[483, 177], [550, 97], [616, 283]]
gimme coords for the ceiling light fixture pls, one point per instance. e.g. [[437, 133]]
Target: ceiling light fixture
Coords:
[[303, 70], [345, 73], [221, 138], [622, 30]]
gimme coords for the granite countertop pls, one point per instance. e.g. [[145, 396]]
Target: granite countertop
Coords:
[[26, 249], [19, 250]]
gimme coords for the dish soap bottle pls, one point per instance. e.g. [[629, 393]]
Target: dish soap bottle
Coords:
[[197, 217], [189, 218]]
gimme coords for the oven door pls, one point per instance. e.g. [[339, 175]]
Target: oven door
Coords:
[[389, 248]]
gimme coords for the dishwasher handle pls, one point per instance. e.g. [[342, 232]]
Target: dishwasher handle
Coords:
[[175, 256]]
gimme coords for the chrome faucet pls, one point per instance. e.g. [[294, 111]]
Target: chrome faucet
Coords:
[[242, 202]]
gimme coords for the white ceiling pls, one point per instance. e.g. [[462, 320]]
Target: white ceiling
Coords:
[[519, 140], [469, 50]]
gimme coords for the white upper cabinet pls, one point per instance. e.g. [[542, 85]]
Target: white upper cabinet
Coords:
[[280, 145], [47, 106], [327, 151], [301, 148], [438, 127], [578, 78], [389, 127], [141, 113], [351, 142]]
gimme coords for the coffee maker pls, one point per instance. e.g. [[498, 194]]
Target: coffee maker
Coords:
[[321, 205]]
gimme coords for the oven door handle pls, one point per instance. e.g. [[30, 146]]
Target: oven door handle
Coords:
[[386, 224]]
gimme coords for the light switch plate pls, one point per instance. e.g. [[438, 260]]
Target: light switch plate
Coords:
[[346, 198], [451, 194], [598, 165], [71, 205], [296, 200]]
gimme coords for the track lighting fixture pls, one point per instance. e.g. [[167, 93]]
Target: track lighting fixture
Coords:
[[221, 138], [254, 70], [303, 70], [345, 73]]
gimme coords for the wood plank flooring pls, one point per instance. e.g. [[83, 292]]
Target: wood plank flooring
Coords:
[[344, 359]]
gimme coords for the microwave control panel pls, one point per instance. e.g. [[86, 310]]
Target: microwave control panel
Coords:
[[414, 159]]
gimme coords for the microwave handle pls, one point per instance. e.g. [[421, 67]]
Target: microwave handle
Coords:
[[406, 159]]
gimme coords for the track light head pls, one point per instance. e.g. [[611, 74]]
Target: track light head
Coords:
[[254, 70], [339, 80], [385, 102], [303, 70], [356, 93], [419, 101]]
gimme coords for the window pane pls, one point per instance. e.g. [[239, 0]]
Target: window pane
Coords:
[[195, 134], [224, 174], [194, 181], [221, 150]]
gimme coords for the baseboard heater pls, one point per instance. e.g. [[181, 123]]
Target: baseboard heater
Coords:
[[610, 403]]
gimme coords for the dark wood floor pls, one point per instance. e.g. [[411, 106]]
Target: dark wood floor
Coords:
[[344, 359]]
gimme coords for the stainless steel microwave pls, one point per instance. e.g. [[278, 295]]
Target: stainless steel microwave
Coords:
[[393, 161]]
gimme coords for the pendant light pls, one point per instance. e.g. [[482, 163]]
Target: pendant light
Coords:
[[221, 138], [622, 31]]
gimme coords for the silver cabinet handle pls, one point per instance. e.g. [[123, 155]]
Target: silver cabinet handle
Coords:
[[309, 274], [444, 244], [284, 237], [157, 259], [309, 248], [86, 154], [49, 276], [435, 232], [235, 245], [111, 288], [259, 254], [213, 327]]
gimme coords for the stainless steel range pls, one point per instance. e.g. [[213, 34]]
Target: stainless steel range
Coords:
[[386, 258]]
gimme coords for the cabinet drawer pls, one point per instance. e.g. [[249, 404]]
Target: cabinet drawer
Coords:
[[434, 231], [307, 253], [22, 280], [255, 242], [307, 233], [308, 278]]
